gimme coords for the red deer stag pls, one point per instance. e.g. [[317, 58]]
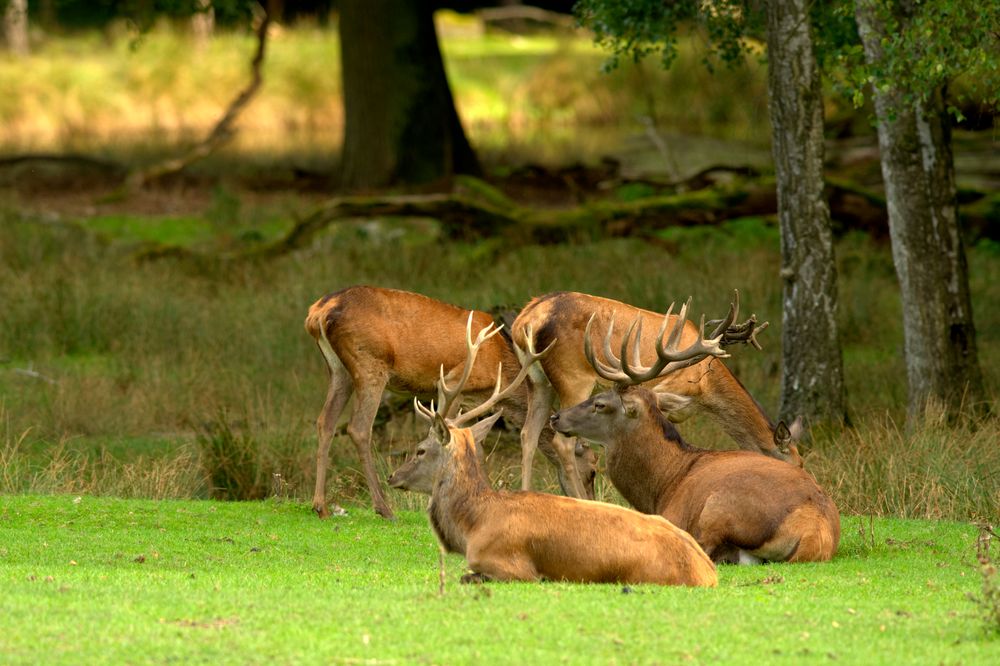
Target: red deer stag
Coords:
[[565, 374], [374, 339], [739, 505], [530, 536]]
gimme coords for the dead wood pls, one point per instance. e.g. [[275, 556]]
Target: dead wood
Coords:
[[223, 130]]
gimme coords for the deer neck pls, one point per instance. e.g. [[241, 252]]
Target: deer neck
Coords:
[[647, 464], [459, 495], [737, 412]]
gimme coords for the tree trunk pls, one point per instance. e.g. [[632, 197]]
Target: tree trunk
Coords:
[[915, 144], [15, 24], [202, 23], [812, 381], [400, 120]]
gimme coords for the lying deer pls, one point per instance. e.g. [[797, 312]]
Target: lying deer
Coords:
[[530, 536], [739, 505], [374, 339], [566, 375]]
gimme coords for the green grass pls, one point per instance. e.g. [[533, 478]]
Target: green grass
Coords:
[[127, 581]]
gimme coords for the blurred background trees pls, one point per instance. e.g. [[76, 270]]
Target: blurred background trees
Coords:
[[374, 98]]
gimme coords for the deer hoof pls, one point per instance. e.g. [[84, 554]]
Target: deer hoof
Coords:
[[474, 579]]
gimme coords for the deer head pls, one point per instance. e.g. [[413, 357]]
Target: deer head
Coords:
[[420, 470], [613, 412]]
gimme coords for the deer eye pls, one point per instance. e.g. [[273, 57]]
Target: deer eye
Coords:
[[599, 406], [421, 452]]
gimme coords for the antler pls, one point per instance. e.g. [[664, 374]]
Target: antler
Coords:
[[530, 357], [732, 334], [669, 357], [448, 397]]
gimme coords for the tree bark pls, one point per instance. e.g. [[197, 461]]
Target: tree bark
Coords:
[[914, 137], [15, 24], [203, 23], [812, 381], [400, 123]]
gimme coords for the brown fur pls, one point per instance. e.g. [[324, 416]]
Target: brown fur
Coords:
[[711, 387], [397, 340], [531, 536], [730, 501]]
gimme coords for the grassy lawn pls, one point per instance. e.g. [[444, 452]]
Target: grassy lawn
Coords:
[[136, 581]]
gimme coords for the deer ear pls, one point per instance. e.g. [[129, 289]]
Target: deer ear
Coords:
[[797, 429], [669, 403], [782, 436], [482, 428]]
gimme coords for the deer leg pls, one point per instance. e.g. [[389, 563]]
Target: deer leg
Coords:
[[337, 396], [500, 569], [565, 447], [360, 430], [540, 396]]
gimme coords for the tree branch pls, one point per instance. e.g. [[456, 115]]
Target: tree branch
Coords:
[[223, 130]]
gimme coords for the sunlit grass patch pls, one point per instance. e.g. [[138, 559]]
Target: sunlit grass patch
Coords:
[[110, 581]]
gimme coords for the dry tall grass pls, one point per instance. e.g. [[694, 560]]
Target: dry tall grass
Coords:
[[152, 354]]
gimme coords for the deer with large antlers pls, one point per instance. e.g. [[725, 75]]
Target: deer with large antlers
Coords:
[[565, 374], [375, 339], [739, 505], [531, 536]]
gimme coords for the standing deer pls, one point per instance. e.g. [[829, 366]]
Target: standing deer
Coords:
[[566, 375], [740, 506], [373, 339], [530, 536]]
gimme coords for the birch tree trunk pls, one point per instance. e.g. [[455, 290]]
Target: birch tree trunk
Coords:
[[812, 381], [942, 366], [15, 25]]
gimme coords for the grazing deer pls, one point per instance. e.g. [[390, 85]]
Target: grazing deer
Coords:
[[373, 339], [740, 506], [531, 536], [566, 375]]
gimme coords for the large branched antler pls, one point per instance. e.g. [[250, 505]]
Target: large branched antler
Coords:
[[669, 358], [449, 397], [745, 333]]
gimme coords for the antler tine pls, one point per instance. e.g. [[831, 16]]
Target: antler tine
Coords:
[[424, 412], [677, 330], [733, 333], [531, 357], [608, 372], [752, 340], [448, 396], [669, 357], [721, 325], [635, 327]]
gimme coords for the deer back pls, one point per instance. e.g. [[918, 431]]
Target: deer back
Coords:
[[712, 387], [409, 336]]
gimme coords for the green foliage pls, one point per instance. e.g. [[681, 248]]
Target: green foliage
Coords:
[[241, 467], [926, 45], [113, 581], [635, 29]]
